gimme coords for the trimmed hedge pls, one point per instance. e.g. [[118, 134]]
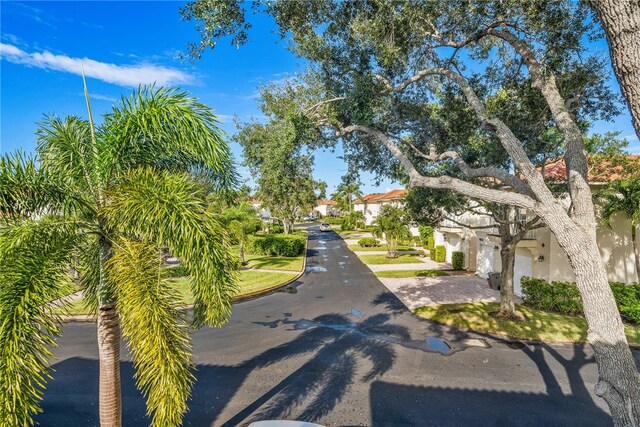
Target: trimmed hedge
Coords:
[[431, 242], [369, 242], [426, 233], [334, 220], [457, 260], [564, 297], [275, 228], [439, 253], [177, 271], [276, 245]]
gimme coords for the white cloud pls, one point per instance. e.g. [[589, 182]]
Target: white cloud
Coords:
[[632, 137], [225, 118], [122, 75]]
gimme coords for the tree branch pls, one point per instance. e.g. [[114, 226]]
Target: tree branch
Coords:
[[443, 182]]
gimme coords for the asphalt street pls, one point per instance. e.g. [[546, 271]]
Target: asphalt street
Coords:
[[338, 349]]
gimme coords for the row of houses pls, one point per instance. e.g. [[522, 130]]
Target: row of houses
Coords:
[[538, 254]]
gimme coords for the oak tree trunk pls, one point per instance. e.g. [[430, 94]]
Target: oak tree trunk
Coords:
[[634, 243], [621, 22], [507, 298], [619, 380], [286, 224], [109, 354]]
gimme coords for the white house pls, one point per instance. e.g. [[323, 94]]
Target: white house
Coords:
[[264, 213], [370, 204], [538, 254], [326, 208]]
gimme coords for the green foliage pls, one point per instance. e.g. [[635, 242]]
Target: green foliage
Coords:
[[276, 245], [369, 242], [558, 297], [155, 330], [393, 223], [457, 260], [622, 196], [439, 254], [628, 300], [426, 232], [410, 273], [353, 221], [334, 220], [273, 228], [130, 190], [431, 243], [177, 271]]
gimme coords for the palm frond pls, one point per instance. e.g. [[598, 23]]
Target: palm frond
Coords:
[[169, 209], [156, 330], [27, 190], [66, 150], [34, 262], [167, 128]]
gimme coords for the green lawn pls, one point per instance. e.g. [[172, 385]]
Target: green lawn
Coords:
[[358, 248], [382, 259], [250, 282], [275, 262], [538, 326], [410, 273]]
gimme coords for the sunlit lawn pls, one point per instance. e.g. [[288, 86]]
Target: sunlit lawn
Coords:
[[410, 273], [249, 282], [274, 262], [538, 326], [358, 248], [383, 259]]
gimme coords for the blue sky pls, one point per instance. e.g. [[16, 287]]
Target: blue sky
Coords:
[[123, 44]]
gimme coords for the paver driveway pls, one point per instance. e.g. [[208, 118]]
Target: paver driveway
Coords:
[[340, 349]]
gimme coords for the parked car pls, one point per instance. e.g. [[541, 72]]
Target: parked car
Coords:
[[325, 227]]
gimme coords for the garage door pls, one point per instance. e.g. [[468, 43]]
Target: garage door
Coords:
[[523, 267]]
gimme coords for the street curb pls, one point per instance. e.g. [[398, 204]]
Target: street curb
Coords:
[[236, 299]]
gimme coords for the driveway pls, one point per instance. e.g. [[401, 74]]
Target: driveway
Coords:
[[339, 349], [417, 292]]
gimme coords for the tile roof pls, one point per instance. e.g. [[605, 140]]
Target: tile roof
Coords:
[[601, 168], [391, 195], [325, 202]]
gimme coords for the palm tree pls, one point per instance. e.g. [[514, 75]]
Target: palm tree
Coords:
[[114, 198], [345, 194], [623, 197]]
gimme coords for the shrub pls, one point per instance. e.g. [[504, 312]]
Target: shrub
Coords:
[[564, 298], [426, 232], [439, 253], [276, 245], [457, 260], [628, 300], [558, 297], [369, 242], [334, 220], [275, 228], [431, 243], [177, 271]]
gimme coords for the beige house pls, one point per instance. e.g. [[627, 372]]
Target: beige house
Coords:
[[539, 255], [370, 204]]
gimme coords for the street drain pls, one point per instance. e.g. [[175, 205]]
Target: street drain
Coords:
[[439, 345], [356, 312], [516, 345]]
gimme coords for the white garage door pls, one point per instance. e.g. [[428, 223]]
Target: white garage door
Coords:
[[523, 267], [485, 261]]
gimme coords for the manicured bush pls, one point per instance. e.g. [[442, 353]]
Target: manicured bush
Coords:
[[628, 300], [177, 271], [369, 242], [558, 297], [276, 245], [336, 220], [426, 232], [431, 243], [457, 260], [274, 228], [564, 298], [439, 253]]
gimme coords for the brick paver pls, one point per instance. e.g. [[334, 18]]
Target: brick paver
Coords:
[[417, 292]]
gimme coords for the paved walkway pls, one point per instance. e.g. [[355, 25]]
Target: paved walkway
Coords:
[[425, 264], [417, 292]]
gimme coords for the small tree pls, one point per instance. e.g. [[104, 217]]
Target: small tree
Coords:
[[241, 222], [392, 223], [623, 197]]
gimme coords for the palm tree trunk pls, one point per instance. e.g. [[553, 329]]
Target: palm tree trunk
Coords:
[[634, 243], [109, 354], [242, 253]]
